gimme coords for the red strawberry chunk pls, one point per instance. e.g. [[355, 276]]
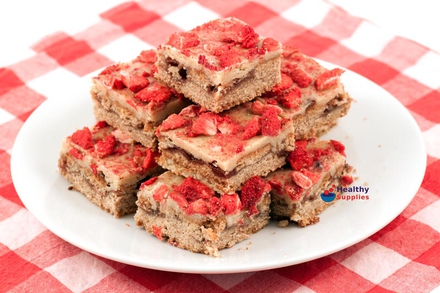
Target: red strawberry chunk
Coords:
[[227, 126], [190, 111], [251, 192], [270, 44], [299, 158], [215, 206], [173, 121], [328, 79], [339, 147], [198, 207], [270, 123], [346, 180], [257, 107], [76, 154], [252, 128], [192, 189], [154, 93], [160, 193], [148, 182], [148, 56], [229, 58], [83, 138], [106, 146], [231, 203], [276, 185], [179, 199], [157, 231], [301, 180], [205, 62], [111, 69], [205, 124], [150, 159], [300, 77], [286, 82], [133, 82], [291, 99], [293, 191], [183, 40], [100, 125]]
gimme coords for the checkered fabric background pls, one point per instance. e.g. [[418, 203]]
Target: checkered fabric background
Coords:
[[402, 257]]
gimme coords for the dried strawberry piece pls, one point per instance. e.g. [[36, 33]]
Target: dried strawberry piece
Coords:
[[230, 203], [205, 124], [252, 128], [293, 191], [270, 44], [289, 51], [299, 158], [291, 99], [269, 122], [205, 62], [319, 152], [251, 192], [94, 168], [118, 84], [76, 154], [154, 93], [227, 126], [193, 189], [157, 231], [183, 40], [215, 206], [198, 207], [346, 180], [83, 138], [147, 56], [220, 50], [286, 82], [133, 82], [276, 185], [230, 58], [105, 147], [160, 193], [179, 199], [301, 180], [150, 159], [190, 111], [302, 78], [153, 70], [173, 121], [249, 36], [100, 125], [339, 147], [110, 69], [257, 107], [255, 52], [328, 79], [149, 182]]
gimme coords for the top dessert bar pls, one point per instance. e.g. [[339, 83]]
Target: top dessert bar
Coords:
[[224, 150], [313, 96], [128, 97], [219, 64]]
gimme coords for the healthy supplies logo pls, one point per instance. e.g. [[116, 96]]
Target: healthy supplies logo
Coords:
[[350, 193]]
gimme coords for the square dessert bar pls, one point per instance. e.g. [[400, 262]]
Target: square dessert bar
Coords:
[[300, 188], [128, 97], [107, 167], [224, 150], [309, 94], [219, 64], [188, 214]]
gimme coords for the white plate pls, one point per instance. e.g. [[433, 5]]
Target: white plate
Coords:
[[382, 141]]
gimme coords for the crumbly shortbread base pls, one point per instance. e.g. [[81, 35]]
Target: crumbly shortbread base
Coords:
[[318, 120], [307, 210], [258, 163], [208, 235], [116, 202], [120, 118], [196, 86]]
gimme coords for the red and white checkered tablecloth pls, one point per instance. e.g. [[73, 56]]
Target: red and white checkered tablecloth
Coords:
[[402, 257]]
